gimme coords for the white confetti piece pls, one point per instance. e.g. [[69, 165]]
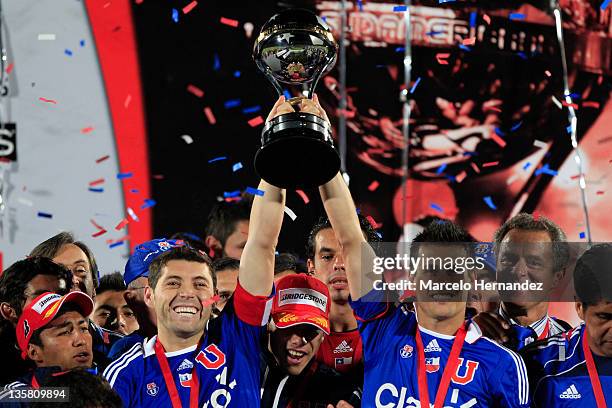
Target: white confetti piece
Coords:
[[46, 37], [290, 213], [540, 144], [25, 201], [556, 102], [188, 139]]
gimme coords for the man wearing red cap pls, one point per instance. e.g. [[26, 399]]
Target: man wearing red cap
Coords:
[[53, 332], [300, 322]]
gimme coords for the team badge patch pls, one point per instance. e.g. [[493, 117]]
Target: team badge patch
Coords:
[[152, 389], [432, 364], [406, 351]]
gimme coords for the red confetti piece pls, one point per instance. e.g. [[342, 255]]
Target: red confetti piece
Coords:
[[95, 224], [232, 199], [547, 73], [139, 1], [460, 177], [486, 18], [256, 121], [122, 224], [87, 129], [158, 176], [116, 241], [475, 167], [441, 58], [490, 164], [575, 177], [469, 41], [303, 195], [10, 68], [48, 100], [536, 215], [373, 185], [373, 223], [96, 182], [97, 234], [600, 193], [572, 105], [195, 90], [101, 159], [210, 116], [229, 22], [498, 140], [346, 113], [127, 101], [590, 104], [211, 300], [189, 7]]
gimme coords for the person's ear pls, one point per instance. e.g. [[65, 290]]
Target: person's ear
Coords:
[[8, 313], [311, 266], [557, 276], [580, 310], [149, 296], [213, 244], [34, 353]]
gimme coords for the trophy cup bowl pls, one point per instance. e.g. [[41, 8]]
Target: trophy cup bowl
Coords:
[[296, 48]]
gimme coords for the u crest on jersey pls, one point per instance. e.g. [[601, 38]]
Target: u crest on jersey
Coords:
[[211, 357], [465, 372]]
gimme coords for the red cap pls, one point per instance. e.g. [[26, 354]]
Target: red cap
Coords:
[[43, 310], [301, 299]]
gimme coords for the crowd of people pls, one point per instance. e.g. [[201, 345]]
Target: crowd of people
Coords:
[[226, 321]]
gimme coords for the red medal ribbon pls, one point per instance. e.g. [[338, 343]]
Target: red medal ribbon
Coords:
[[169, 379], [590, 363], [449, 370], [545, 331]]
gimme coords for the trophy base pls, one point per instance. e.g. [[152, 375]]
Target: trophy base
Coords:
[[297, 152]]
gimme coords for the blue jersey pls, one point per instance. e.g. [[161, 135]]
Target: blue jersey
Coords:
[[558, 373], [488, 375], [124, 344], [227, 362]]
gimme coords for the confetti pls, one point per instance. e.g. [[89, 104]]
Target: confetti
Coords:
[[498, 140], [68, 52], [87, 129], [373, 185], [188, 139], [527, 165], [605, 4], [441, 58], [516, 16], [400, 8], [303, 195], [228, 21], [465, 48], [490, 164], [236, 167], [210, 116], [237, 74], [360, 5], [211, 300], [251, 109], [286, 94], [25, 201], [122, 176], [255, 191], [216, 159], [600, 192], [431, 34], [256, 121], [512, 179], [540, 144], [547, 73], [97, 234], [373, 222], [569, 105], [101, 159], [46, 37], [473, 16], [10, 68], [96, 182], [189, 7], [232, 103], [96, 190], [585, 104], [436, 207], [95, 224], [195, 90], [133, 214], [460, 177], [47, 100], [416, 83], [582, 235], [475, 167], [116, 244], [486, 18], [231, 194], [44, 215], [122, 224], [469, 41], [148, 203], [515, 127], [127, 101], [217, 63], [441, 168], [290, 213], [158, 176], [82, 43], [489, 201], [175, 15], [546, 170]]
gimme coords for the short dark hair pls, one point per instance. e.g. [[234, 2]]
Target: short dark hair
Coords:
[[323, 223], [224, 216], [184, 253], [289, 262], [528, 222], [68, 307], [87, 390], [190, 239], [442, 231], [113, 281], [16, 277], [52, 246], [225, 263], [593, 275]]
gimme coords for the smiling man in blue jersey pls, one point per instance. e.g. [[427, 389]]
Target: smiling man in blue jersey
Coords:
[[439, 358], [195, 361], [575, 368]]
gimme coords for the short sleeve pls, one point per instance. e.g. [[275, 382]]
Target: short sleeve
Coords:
[[512, 386], [250, 309]]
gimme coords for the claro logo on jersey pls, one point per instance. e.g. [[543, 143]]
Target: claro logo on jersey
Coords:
[[302, 297]]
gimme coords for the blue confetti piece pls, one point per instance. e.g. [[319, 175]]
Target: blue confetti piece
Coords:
[[44, 215], [452, 179], [255, 191], [527, 165], [96, 190], [360, 5], [522, 55], [445, 1], [232, 103], [471, 154], [251, 109], [516, 16], [175, 15], [116, 244], [441, 169], [473, 19], [574, 95], [324, 18], [135, 191], [489, 202], [605, 4], [237, 74], [236, 167], [286, 94], [149, 202], [122, 176], [582, 235], [433, 33], [400, 8], [569, 129], [217, 63], [68, 52], [231, 194], [216, 159], [515, 127], [546, 170], [436, 207], [399, 49], [499, 132], [416, 83], [465, 47], [82, 43]]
